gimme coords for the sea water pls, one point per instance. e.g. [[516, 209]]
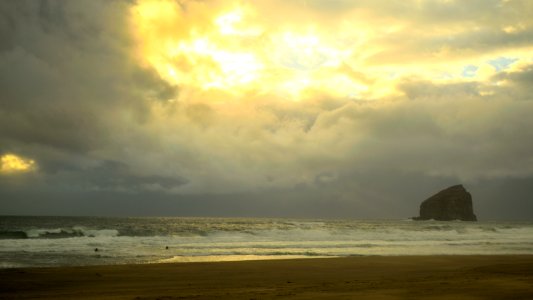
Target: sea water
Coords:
[[73, 241]]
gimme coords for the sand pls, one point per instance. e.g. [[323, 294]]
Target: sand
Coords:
[[406, 277]]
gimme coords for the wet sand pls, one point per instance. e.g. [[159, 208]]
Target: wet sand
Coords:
[[405, 277]]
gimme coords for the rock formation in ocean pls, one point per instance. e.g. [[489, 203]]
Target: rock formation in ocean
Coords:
[[453, 203]]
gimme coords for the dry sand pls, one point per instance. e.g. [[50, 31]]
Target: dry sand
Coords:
[[407, 277]]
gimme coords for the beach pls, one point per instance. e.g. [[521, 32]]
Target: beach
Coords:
[[366, 277]]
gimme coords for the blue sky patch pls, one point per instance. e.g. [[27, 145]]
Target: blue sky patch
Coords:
[[502, 63], [470, 71]]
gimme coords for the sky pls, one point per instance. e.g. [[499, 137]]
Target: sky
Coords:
[[306, 108]]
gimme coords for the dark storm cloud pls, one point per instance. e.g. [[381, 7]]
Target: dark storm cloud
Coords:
[[110, 136], [65, 76], [65, 73], [113, 175], [45, 100]]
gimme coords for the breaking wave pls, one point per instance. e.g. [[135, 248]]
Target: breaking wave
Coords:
[[55, 241], [57, 233]]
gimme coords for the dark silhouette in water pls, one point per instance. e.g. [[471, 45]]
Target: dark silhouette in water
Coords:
[[95, 249]]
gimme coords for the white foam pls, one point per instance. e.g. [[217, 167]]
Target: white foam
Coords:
[[99, 233], [74, 231], [35, 233], [270, 241]]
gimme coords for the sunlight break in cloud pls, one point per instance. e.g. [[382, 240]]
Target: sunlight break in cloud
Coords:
[[332, 99], [265, 83], [233, 48], [299, 52], [11, 163]]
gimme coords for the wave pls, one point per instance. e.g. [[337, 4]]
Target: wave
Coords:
[[56, 233], [8, 235], [363, 234], [29, 241]]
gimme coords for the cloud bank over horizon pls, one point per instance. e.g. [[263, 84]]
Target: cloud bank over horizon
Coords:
[[310, 108]]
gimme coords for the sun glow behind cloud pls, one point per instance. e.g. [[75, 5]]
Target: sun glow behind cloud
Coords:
[[260, 79], [232, 47], [253, 96], [11, 163]]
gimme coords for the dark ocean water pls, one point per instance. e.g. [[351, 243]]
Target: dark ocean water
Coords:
[[66, 241]]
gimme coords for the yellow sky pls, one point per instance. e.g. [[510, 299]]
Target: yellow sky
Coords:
[[268, 83], [296, 51], [197, 97], [234, 95], [11, 163]]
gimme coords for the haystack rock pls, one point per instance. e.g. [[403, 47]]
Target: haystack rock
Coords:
[[453, 203]]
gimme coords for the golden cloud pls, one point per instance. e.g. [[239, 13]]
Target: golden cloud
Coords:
[[264, 85], [296, 51], [11, 163], [231, 47]]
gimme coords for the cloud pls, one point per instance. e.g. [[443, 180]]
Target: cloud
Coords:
[[112, 175], [220, 99], [11, 163]]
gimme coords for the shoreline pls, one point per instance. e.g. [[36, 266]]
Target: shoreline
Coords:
[[361, 277], [214, 259]]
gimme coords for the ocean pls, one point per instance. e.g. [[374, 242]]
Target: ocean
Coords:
[[78, 241]]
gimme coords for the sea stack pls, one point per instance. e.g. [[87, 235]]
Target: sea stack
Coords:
[[453, 203]]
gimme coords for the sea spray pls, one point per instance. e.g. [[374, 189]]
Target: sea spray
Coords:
[[67, 241]]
